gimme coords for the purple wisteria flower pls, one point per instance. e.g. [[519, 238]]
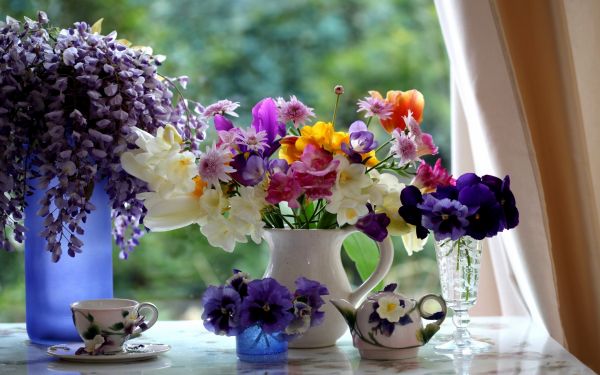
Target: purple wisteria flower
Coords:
[[374, 225], [294, 110], [375, 107], [77, 144], [221, 310], [268, 304], [444, 217]]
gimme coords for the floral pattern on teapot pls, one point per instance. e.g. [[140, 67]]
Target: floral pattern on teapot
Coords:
[[387, 322]]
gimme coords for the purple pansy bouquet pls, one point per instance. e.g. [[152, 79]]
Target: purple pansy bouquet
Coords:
[[478, 207], [69, 101], [243, 303]]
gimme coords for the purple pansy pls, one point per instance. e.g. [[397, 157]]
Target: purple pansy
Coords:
[[374, 225], [485, 212], [505, 197], [446, 218], [221, 310], [311, 292], [268, 304], [411, 197], [239, 282]]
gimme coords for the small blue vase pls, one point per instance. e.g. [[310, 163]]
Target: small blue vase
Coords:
[[254, 345], [51, 287]]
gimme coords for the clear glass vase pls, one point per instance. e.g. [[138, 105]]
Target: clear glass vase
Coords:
[[254, 345], [459, 264]]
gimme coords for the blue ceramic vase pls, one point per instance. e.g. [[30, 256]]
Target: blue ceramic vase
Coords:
[[52, 287], [254, 345]]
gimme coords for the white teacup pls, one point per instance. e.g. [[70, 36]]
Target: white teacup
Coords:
[[105, 324]]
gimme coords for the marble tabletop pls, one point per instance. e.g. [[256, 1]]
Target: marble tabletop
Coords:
[[520, 346]]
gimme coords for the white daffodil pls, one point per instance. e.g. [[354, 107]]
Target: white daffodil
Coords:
[[351, 178], [179, 170], [158, 155], [178, 211], [245, 211], [220, 232], [94, 344], [347, 209], [390, 308], [387, 190], [411, 242]]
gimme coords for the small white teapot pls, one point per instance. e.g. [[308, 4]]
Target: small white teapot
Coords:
[[387, 325]]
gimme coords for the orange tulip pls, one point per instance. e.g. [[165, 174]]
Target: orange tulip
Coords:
[[402, 102]]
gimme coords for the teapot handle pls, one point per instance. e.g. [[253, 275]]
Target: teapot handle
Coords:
[[386, 256], [438, 316]]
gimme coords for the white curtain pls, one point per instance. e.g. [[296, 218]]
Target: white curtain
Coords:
[[490, 134]]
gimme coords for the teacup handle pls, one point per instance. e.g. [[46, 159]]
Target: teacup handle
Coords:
[[146, 323], [438, 316], [386, 257]]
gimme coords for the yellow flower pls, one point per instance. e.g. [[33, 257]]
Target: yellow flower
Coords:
[[288, 150], [319, 134], [337, 140]]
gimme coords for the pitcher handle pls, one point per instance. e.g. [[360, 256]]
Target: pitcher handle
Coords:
[[386, 257]]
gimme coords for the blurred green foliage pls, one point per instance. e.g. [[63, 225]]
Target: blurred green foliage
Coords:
[[245, 50]]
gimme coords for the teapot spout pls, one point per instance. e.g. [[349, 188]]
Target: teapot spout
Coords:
[[347, 310]]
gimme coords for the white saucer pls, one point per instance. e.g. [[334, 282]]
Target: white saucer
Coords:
[[132, 352]]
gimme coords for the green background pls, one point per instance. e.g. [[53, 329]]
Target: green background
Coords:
[[245, 50]]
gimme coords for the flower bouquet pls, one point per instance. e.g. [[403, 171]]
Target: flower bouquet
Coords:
[[263, 314], [460, 216], [280, 173]]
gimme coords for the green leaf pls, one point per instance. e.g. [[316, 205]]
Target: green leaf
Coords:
[[124, 313], [117, 326], [90, 317], [327, 220], [425, 334], [364, 253]]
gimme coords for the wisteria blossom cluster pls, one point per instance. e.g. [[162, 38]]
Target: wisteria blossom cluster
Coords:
[[478, 207], [242, 303], [69, 100], [288, 169]]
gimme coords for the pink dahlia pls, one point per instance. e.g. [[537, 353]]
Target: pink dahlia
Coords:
[[284, 188], [213, 165], [316, 172], [403, 147], [294, 110], [375, 107], [222, 107], [429, 179], [253, 140]]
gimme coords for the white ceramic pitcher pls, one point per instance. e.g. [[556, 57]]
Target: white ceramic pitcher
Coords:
[[316, 254]]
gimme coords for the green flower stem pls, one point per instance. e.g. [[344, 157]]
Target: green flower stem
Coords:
[[369, 121], [380, 163], [337, 102], [384, 144]]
